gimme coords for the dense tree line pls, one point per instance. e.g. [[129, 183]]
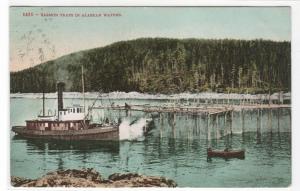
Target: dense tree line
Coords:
[[161, 65]]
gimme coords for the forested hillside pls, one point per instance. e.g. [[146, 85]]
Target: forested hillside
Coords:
[[161, 65]]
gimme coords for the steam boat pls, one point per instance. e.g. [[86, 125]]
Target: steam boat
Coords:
[[69, 123]]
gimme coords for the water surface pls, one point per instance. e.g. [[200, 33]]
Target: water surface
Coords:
[[176, 152]]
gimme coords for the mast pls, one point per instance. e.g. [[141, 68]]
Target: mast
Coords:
[[43, 93], [82, 79], [43, 102]]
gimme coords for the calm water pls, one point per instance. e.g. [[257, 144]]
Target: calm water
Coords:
[[177, 152]]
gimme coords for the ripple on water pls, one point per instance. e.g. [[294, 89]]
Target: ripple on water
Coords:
[[179, 155]]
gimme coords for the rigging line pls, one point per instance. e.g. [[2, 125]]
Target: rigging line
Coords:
[[90, 108]]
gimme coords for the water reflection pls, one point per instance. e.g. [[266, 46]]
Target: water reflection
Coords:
[[53, 146], [175, 148]]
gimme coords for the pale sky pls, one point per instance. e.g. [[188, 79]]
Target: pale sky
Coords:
[[34, 39]]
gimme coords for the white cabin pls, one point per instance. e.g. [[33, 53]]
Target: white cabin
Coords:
[[67, 114], [71, 114]]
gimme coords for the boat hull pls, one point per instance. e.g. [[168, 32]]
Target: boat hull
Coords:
[[107, 133], [226, 154]]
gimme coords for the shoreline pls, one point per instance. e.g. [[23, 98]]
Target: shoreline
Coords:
[[91, 178], [146, 96]]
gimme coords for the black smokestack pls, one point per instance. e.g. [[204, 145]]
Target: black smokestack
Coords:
[[60, 90]]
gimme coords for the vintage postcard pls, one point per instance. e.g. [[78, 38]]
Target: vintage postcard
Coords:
[[150, 96]]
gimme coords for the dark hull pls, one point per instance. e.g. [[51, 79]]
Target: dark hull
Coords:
[[227, 154], [111, 133]]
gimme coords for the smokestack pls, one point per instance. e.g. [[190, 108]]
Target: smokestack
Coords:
[[60, 90]]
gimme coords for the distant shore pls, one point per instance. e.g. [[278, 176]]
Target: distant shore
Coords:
[[91, 178], [138, 95]]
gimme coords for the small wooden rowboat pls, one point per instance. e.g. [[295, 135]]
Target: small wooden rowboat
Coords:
[[226, 153]]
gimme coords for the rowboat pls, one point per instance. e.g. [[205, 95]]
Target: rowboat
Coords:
[[226, 153]]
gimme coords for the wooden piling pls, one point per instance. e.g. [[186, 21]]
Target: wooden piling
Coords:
[[290, 112], [278, 119], [243, 121], [231, 121], [261, 118], [226, 129], [173, 125], [269, 120], [217, 127], [258, 125], [206, 125], [188, 131], [225, 124], [161, 125], [199, 125], [208, 131], [195, 125]]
